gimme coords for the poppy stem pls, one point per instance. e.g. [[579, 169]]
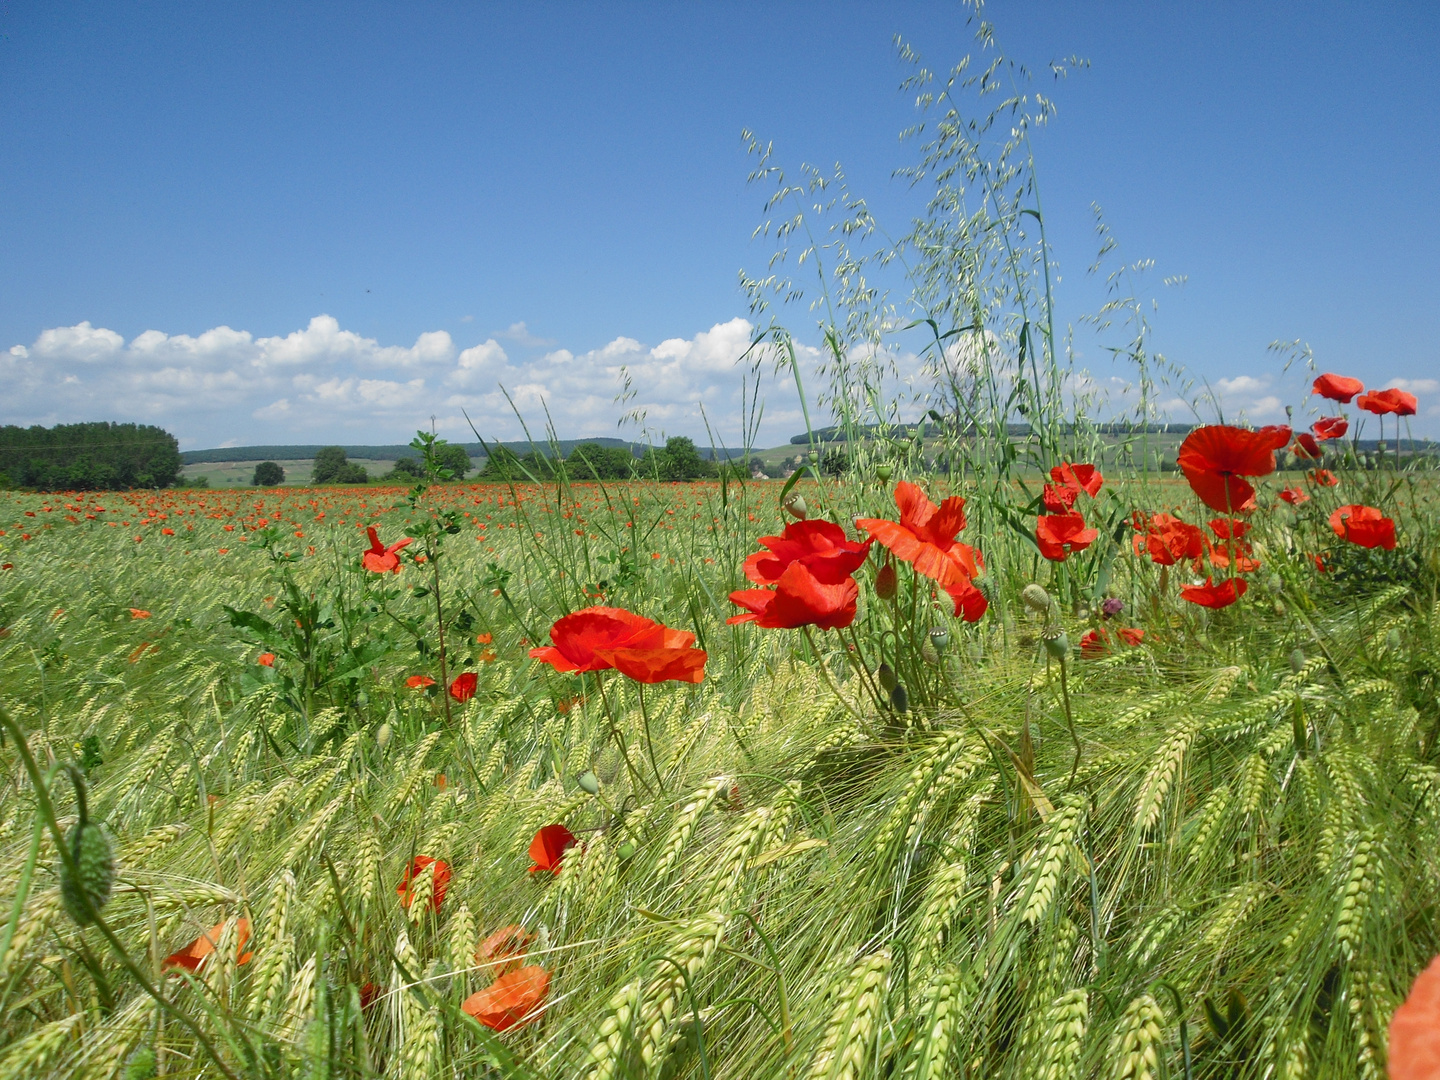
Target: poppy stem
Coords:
[[825, 671], [1070, 723], [649, 742], [619, 737]]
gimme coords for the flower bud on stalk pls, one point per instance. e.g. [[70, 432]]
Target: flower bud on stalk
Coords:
[[900, 698], [1036, 598], [1297, 660], [928, 652], [382, 735], [886, 674], [94, 873], [887, 583]]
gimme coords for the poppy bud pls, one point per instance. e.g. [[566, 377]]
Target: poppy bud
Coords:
[[382, 735], [939, 637], [1280, 608], [883, 471], [1273, 585], [1036, 598], [94, 872], [886, 675], [1297, 660], [626, 851], [886, 582], [928, 652], [796, 505], [900, 699], [1057, 644], [141, 1064], [589, 782]]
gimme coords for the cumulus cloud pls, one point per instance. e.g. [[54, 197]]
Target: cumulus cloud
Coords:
[[323, 381]]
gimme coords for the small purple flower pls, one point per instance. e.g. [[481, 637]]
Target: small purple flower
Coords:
[[1111, 606]]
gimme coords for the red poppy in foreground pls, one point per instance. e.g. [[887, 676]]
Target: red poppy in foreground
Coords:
[[1294, 496], [441, 878], [548, 847], [1215, 596], [820, 545], [1386, 402], [1323, 477], [1365, 526], [822, 597], [380, 559], [1306, 446], [1097, 642], [463, 688], [1058, 498], [505, 948], [1167, 539], [1216, 459], [1339, 388], [266, 659], [1330, 427], [194, 954], [1078, 478], [510, 1000], [419, 682], [1061, 535], [1415, 1030], [600, 638], [925, 537]]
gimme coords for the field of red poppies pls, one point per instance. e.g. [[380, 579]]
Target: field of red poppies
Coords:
[[1046, 773]]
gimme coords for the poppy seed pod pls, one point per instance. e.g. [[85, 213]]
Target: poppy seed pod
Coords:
[[1297, 660], [813, 457], [589, 782], [887, 582], [382, 735], [939, 637], [900, 699], [1057, 644], [883, 472], [626, 851], [795, 504], [1036, 598], [886, 674], [95, 872]]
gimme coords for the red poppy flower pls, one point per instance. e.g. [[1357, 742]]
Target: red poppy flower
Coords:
[[484, 639], [419, 682], [138, 613], [504, 949], [1330, 427], [369, 994], [925, 538], [1415, 1030], [1337, 387], [1294, 496], [380, 559], [1306, 446], [600, 638], [1217, 457], [1384, 402], [1365, 526], [191, 957], [820, 545], [441, 876], [1097, 642], [510, 1000], [548, 847], [1061, 535], [1230, 528], [802, 597], [1168, 540], [1211, 595], [1323, 477], [1078, 478], [1058, 498], [463, 688], [266, 659]]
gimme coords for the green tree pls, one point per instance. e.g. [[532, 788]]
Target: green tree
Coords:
[[452, 456], [407, 470], [89, 457], [351, 473], [330, 462], [681, 461], [590, 461], [268, 474]]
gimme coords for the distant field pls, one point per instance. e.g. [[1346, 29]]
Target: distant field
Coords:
[[297, 472]]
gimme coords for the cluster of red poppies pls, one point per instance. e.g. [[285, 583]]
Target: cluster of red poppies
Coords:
[[1061, 531]]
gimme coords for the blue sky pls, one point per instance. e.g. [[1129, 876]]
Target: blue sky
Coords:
[[302, 222]]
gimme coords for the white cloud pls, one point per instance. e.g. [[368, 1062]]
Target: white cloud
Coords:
[[322, 380], [1416, 386]]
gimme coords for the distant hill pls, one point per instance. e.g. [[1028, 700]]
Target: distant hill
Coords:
[[394, 451]]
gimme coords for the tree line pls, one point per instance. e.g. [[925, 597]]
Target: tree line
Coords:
[[99, 456]]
